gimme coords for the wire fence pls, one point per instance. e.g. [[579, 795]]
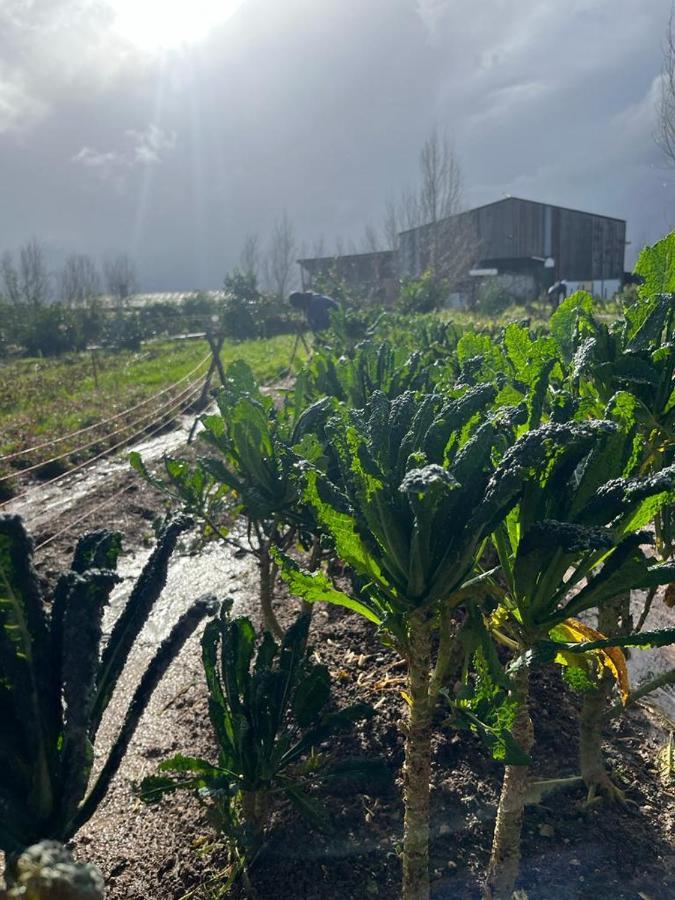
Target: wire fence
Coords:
[[145, 426], [148, 434], [100, 424]]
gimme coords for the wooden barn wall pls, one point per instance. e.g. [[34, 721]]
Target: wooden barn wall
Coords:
[[584, 246], [511, 229]]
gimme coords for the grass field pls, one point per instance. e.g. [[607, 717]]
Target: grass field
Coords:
[[43, 399]]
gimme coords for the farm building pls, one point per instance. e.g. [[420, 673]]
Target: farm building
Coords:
[[374, 275], [525, 245], [528, 245]]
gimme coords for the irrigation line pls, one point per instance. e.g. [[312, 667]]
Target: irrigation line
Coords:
[[119, 415], [192, 389], [115, 496], [92, 443]]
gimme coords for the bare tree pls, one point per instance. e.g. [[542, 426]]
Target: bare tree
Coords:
[[440, 193], [390, 224], [410, 210], [371, 240], [249, 260], [440, 196], [439, 236], [79, 281], [319, 247], [120, 277], [665, 128], [281, 258], [33, 274], [10, 278]]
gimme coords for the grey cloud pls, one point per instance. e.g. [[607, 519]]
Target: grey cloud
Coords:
[[146, 148], [319, 109]]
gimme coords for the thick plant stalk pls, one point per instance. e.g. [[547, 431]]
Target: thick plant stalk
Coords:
[[614, 616], [505, 856], [255, 807], [613, 619], [591, 759], [417, 772], [450, 654], [267, 572]]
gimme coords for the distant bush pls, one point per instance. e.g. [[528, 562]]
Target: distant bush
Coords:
[[52, 330], [244, 312], [248, 313], [124, 331], [348, 295], [241, 307], [424, 294], [493, 298]]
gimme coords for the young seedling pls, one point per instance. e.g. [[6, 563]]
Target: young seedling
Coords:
[[268, 709]]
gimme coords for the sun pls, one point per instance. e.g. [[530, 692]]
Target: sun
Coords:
[[154, 25]]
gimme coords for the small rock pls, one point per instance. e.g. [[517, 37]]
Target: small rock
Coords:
[[546, 830], [451, 866], [444, 829], [117, 869], [575, 862]]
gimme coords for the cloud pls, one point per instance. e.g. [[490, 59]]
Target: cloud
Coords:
[[433, 14], [149, 146], [320, 110], [141, 148], [18, 109]]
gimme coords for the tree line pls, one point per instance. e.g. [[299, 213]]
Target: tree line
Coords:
[[25, 278]]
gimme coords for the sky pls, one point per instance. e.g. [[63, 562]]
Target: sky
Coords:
[[169, 130]]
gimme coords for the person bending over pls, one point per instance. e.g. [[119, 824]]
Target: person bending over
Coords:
[[316, 308]]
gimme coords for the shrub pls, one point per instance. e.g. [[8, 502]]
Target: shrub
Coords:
[[493, 298], [424, 294], [52, 330]]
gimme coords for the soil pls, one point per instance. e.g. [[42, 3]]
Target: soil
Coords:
[[168, 850], [568, 851]]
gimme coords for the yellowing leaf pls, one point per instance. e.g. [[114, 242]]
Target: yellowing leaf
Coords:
[[406, 696], [610, 658]]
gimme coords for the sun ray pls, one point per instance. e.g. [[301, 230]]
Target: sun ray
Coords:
[[155, 25]]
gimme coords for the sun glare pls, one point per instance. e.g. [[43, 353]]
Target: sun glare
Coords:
[[166, 24]]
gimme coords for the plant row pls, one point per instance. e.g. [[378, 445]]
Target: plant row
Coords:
[[486, 499]]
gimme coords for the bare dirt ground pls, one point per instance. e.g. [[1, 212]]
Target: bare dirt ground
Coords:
[[169, 850]]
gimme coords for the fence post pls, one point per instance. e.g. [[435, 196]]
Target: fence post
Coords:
[[215, 343]]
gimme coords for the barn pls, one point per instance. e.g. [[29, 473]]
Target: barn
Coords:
[[524, 244], [373, 276], [527, 244]]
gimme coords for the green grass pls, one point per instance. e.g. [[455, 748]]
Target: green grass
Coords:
[[43, 399]]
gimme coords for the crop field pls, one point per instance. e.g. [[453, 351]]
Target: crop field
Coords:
[[42, 399], [428, 567]]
